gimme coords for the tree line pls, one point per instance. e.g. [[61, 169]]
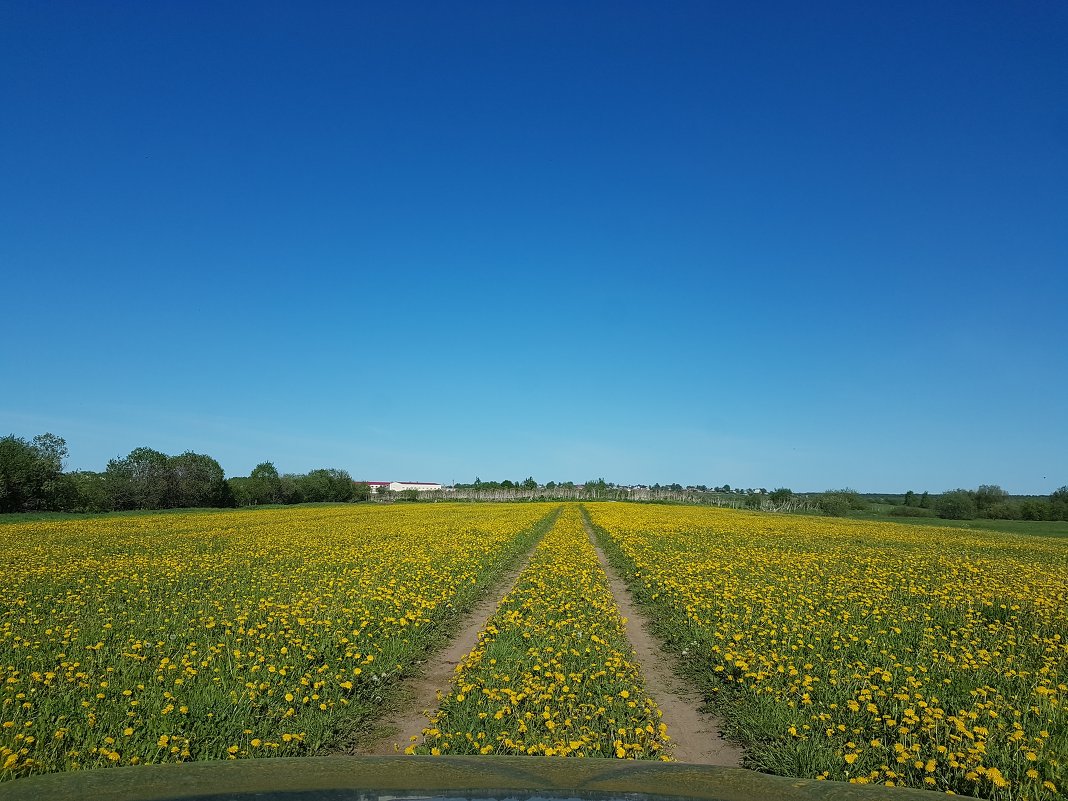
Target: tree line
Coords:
[[986, 501], [32, 479], [265, 485], [781, 500]]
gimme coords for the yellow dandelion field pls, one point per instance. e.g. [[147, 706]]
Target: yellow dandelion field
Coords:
[[866, 652], [846, 650], [155, 638]]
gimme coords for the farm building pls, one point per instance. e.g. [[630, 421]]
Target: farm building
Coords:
[[397, 486], [421, 486]]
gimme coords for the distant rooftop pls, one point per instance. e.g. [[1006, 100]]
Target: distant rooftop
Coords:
[[384, 483]]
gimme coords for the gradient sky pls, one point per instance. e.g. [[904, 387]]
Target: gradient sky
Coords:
[[769, 244]]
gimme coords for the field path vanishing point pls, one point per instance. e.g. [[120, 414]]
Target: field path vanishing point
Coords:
[[419, 694], [696, 737]]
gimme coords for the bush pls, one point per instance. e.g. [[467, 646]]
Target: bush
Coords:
[[326, 486], [838, 503], [1058, 504], [780, 495], [30, 472], [291, 488], [989, 495], [910, 511], [85, 492], [833, 505], [956, 505], [1036, 510], [851, 497], [1003, 510]]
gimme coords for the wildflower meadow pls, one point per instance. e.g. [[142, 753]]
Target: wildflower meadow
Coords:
[[872, 653], [864, 652], [160, 638]]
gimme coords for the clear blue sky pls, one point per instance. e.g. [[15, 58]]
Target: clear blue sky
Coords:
[[800, 244]]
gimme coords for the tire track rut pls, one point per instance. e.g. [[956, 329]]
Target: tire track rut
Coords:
[[696, 736], [419, 693]]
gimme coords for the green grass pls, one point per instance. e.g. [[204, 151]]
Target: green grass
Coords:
[[1037, 528], [881, 512]]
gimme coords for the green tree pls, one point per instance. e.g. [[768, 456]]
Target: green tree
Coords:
[[1058, 504], [987, 495], [149, 479], [51, 450], [265, 484], [361, 491], [152, 479], [956, 504], [141, 480], [910, 498], [18, 464], [291, 488], [87, 492], [1003, 510], [853, 498], [596, 487], [327, 486], [841, 501], [529, 483], [833, 504], [31, 472], [197, 480], [780, 496], [1037, 510], [241, 489]]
